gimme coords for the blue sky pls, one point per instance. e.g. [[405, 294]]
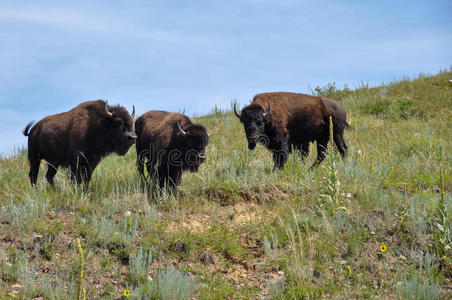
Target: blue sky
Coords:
[[191, 55]]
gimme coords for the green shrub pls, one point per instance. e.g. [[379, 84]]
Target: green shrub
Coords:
[[175, 285], [418, 288], [139, 265]]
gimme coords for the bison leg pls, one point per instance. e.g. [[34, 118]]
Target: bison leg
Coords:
[[82, 175], [76, 169], [70, 176], [340, 143], [169, 177], [322, 146], [304, 150], [150, 186], [175, 178], [163, 181], [169, 181], [140, 168], [88, 169], [153, 174], [86, 178], [78, 176], [81, 171], [279, 158], [159, 175], [74, 174], [51, 171], [34, 170], [280, 150], [141, 160]]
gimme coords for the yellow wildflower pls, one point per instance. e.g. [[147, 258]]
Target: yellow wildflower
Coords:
[[383, 248], [392, 169], [79, 246], [349, 270], [126, 293]]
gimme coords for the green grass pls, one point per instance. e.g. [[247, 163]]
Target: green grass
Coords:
[[237, 230]]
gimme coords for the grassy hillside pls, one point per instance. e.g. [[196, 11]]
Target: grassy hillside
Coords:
[[236, 230]]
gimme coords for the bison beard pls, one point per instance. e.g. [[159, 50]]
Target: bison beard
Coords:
[[285, 121], [78, 139], [168, 143]]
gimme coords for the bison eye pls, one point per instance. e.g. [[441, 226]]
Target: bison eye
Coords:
[[119, 122]]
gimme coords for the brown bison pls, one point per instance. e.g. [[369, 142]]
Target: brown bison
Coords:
[[171, 143], [285, 121], [78, 139]]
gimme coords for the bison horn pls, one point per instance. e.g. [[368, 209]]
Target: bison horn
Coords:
[[180, 129], [268, 110], [235, 112], [133, 112], [109, 114]]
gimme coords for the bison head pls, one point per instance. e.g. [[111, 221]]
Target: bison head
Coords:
[[194, 140], [254, 119], [120, 134]]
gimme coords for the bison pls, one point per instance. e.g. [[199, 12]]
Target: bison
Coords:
[[285, 121], [171, 143], [78, 139]]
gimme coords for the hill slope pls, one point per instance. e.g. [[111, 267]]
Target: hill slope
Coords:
[[236, 230]]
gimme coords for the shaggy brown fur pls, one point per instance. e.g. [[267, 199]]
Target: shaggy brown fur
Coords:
[[78, 139], [293, 121], [169, 149]]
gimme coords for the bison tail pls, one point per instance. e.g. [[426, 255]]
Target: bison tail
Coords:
[[25, 132], [348, 126]]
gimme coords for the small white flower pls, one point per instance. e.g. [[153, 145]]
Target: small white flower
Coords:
[[359, 151], [127, 213], [349, 195]]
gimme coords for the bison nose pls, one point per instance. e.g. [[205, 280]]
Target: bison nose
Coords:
[[131, 136], [201, 157], [252, 139]]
